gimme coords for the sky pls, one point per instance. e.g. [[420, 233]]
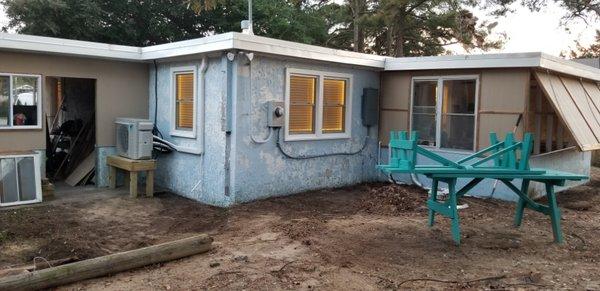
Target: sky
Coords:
[[527, 31]]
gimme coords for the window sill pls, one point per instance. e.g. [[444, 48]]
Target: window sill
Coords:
[[185, 134], [21, 128], [312, 137]]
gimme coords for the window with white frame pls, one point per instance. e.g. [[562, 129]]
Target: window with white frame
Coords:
[[183, 101], [20, 181], [318, 105], [443, 111], [20, 101]]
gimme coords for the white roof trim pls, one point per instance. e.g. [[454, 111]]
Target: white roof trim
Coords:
[[40, 44], [219, 42], [509, 60], [235, 40]]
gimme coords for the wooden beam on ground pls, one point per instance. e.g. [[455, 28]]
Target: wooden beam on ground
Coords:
[[106, 265]]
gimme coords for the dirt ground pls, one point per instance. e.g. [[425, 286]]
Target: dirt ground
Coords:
[[371, 236]]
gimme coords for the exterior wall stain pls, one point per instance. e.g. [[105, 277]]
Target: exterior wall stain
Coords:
[[261, 170], [198, 177]]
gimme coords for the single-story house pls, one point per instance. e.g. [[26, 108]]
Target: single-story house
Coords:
[[252, 117]]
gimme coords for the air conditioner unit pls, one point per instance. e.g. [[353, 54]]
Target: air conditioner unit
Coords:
[[134, 138]]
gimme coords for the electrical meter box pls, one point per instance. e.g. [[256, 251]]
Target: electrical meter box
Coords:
[[370, 107], [276, 111]]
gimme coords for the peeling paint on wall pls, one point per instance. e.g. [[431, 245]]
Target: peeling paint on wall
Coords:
[[199, 177], [261, 170]]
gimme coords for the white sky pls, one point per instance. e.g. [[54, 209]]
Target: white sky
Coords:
[[526, 31]]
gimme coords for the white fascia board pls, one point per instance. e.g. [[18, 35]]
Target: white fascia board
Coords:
[[572, 68], [297, 50], [40, 44], [464, 62], [485, 61], [206, 44]]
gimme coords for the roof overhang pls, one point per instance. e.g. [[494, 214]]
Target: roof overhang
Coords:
[[490, 61], [213, 43], [270, 46]]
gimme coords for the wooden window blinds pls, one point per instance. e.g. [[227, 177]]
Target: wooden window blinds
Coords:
[[303, 92], [334, 105], [184, 101]]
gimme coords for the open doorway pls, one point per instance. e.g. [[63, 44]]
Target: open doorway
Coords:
[[71, 130]]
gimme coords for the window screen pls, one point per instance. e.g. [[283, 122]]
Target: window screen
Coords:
[[334, 105], [302, 104], [25, 100], [458, 114], [17, 180], [184, 101], [456, 103], [424, 111]]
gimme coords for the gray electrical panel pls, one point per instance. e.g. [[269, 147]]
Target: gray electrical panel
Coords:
[[370, 107], [276, 117]]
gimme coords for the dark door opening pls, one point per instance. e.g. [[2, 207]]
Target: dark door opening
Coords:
[[71, 130]]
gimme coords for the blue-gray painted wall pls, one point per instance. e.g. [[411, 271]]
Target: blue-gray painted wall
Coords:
[[261, 170], [232, 168], [199, 177]]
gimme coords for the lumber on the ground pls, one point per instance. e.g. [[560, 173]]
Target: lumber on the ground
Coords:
[[35, 266], [106, 265], [82, 170]]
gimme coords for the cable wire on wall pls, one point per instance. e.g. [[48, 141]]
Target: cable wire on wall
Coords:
[[305, 157]]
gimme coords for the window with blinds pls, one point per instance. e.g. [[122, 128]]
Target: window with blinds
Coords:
[[184, 101], [303, 92], [317, 105], [334, 105]]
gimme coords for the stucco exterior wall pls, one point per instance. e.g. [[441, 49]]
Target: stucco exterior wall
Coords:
[[199, 177], [121, 91], [262, 170], [502, 97]]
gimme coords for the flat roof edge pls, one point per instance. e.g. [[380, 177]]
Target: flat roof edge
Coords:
[[40, 44]]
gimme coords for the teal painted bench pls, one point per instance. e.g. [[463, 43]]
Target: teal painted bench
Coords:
[[504, 161]]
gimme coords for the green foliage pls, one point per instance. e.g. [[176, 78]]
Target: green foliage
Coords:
[[142, 23]]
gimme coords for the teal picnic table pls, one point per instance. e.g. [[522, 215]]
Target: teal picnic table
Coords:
[[504, 161]]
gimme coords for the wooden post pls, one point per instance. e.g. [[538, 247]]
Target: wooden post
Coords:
[[150, 183], [106, 265], [133, 184]]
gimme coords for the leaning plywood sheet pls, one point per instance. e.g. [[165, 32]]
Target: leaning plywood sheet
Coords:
[[584, 104], [574, 111], [82, 170]]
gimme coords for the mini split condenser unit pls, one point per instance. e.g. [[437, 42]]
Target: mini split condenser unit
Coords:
[[134, 138]]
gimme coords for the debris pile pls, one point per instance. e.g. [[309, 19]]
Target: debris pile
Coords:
[[394, 199]]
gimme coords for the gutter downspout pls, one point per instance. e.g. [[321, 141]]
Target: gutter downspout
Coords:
[[199, 148]]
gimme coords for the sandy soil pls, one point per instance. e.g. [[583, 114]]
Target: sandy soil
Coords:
[[359, 238]]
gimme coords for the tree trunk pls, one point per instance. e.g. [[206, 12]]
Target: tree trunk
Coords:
[[399, 43], [357, 8], [110, 264]]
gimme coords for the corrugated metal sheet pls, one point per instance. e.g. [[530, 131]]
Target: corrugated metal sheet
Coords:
[[577, 103]]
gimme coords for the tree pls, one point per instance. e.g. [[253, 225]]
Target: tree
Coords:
[[142, 23], [580, 51], [417, 27]]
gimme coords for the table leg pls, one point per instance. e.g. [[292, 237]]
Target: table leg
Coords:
[[453, 199], [150, 183], [133, 184], [112, 177], [554, 213], [433, 198], [521, 204]]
